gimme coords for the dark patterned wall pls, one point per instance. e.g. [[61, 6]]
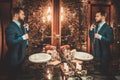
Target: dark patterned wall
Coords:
[[116, 27], [74, 24]]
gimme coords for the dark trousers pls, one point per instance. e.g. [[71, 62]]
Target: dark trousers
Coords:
[[102, 66], [13, 71]]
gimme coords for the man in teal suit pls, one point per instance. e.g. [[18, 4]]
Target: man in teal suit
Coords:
[[101, 36], [16, 38]]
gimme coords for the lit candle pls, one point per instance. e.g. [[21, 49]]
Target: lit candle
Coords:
[[49, 76], [48, 71], [66, 67]]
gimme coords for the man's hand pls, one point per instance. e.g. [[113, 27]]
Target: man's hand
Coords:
[[98, 36], [92, 26], [26, 26], [25, 37]]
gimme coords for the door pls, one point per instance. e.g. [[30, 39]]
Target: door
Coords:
[[5, 18]]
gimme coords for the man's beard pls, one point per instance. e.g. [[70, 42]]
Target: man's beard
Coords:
[[21, 21], [99, 21]]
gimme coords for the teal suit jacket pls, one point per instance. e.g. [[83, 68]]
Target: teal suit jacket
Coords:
[[102, 47], [16, 44]]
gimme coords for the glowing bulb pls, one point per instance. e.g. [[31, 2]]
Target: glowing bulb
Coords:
[[49, 76], [49, 10], [48, 71], [61, 10], [49, 17], [43, 19], [61, 17]]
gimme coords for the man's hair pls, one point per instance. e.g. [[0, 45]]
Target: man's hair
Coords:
[[16, 10], [102, 12]]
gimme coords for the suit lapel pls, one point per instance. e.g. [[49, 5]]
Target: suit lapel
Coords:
[[23, 30], [20, 29], [102, 28]]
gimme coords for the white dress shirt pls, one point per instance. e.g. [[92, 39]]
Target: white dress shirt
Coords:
[[100, 25]]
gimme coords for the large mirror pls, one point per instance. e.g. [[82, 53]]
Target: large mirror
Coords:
[[74, 23], [38, 15]]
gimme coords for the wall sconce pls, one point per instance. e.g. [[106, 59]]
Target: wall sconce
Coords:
[[47, 17]]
